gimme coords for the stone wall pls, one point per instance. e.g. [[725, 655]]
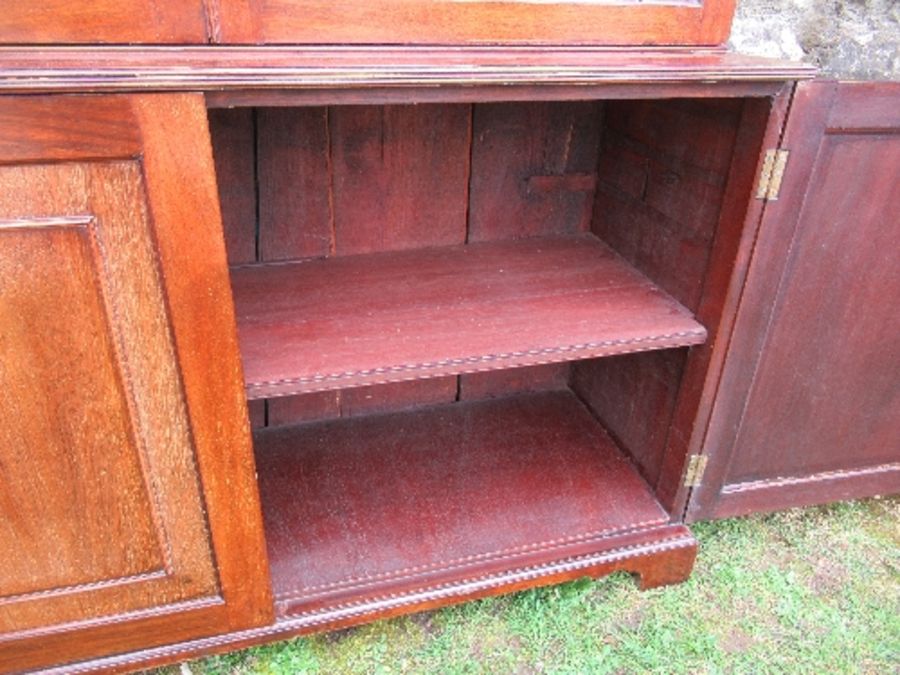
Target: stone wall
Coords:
[[848, 39]]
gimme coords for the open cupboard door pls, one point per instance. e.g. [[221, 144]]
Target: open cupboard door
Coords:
[[808, 406], [129, 513]]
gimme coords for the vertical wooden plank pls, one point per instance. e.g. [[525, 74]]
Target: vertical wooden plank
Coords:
[[496, 383], [397, 396], [400, 176], [295, 216], [233, 142], [257, 411], [356, 401], [322, 405], [533, 166]]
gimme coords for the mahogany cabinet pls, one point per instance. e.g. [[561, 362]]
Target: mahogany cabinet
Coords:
[[808, 409], [378, 329]]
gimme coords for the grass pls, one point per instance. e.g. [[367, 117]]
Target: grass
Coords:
[[806, 591]]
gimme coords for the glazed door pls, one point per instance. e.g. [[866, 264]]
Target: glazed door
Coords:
[[454, 22], [129, 512], [808, 409]]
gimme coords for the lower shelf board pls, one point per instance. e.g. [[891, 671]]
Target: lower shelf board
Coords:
[[376, 507]]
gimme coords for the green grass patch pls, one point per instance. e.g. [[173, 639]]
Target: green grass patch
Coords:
[[807, 591]]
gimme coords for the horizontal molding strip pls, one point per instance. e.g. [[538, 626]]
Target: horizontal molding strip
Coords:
[[214, 68], [774, 483], [679, 538]]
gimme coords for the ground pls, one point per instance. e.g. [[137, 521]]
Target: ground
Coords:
[[807, 591]]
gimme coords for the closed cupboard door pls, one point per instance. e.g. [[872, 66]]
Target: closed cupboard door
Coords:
[[808, 409], [590, 22], [129, 513]]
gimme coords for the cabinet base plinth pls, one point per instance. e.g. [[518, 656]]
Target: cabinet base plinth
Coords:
[[657, 557]]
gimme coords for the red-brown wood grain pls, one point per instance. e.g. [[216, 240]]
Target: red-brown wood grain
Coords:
[[809, 399], [317, 325], [762, 121], [495, 383], [144, 196], [401, 176], [657, 556], [337, 403], [634, 397], [296, 212], [103, 21], [233, 134], [439, 495], [662, 180], [668, 22], [533, 167]]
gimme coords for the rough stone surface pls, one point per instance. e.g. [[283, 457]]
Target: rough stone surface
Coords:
[[847, 39]]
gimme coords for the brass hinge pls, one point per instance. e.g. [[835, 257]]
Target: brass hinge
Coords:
[[772, 174], [695, 468]]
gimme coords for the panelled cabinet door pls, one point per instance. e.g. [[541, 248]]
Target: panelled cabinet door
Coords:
[[591, 22], [808, 409], [129, 513]]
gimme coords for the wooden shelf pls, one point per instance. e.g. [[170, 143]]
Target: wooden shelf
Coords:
[[442, 495], [389, 317]]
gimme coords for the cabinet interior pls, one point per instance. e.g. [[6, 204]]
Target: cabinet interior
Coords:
[[465, 328]]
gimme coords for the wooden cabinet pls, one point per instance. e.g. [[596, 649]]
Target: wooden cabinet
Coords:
[[128, 506], [808, 410], [473, 334], [368, 330]]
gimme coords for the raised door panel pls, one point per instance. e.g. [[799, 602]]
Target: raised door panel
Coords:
[[129, 507], [809, 404], [598, 22], [103, 21]]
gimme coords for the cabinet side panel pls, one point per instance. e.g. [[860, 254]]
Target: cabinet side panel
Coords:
[[662, 175]]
